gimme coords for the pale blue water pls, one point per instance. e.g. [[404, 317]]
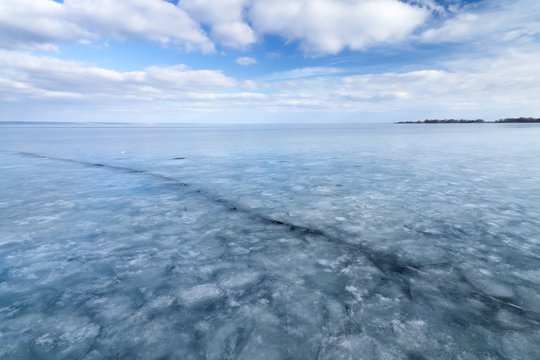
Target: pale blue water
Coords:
[[270, 242]]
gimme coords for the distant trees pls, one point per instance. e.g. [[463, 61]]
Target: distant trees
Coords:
[[477, 121], [519, 120], [452, 121], [445, 121]]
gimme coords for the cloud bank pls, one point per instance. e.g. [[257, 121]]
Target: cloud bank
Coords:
[[460, 89], [319, 26], [327, 27], [496, 22], [41, 24]]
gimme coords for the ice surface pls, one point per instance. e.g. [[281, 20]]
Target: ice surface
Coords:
[[270, 242]]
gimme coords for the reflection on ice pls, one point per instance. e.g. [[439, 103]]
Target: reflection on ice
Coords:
[[285, 250]]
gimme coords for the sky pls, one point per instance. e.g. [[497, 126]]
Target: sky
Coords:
[[260, 61]]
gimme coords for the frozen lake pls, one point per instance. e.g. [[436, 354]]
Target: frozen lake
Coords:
[[270, 242]]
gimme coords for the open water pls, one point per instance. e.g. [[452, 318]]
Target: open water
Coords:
[[270, 242]]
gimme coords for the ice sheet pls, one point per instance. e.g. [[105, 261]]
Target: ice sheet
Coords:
[[275, 242]]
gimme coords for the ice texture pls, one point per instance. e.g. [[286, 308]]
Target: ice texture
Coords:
[[270, 242]]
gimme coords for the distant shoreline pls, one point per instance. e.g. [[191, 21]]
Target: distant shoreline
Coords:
[[520, 120]]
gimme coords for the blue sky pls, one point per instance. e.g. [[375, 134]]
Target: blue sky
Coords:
[[250, 61]]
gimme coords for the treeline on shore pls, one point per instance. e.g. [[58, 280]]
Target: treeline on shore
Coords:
[[477, 121], [519, 120]]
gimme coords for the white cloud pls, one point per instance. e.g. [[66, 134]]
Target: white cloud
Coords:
[[245, 60], [155, 20], [306, 72], [42, 76], [237, 35], [225, 18], [41, 24], [505, 21], [463, 27], [486, 87], [327, 27], [36, 24]]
